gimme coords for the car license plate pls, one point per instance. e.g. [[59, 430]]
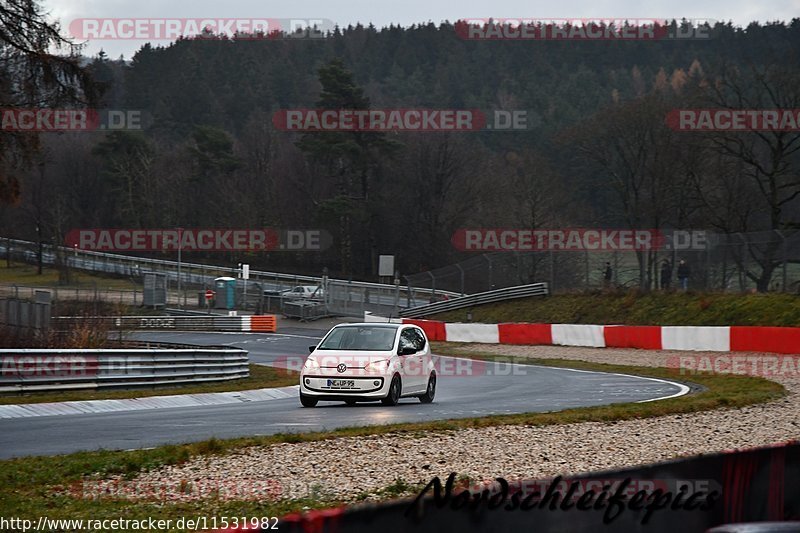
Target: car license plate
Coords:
[[342, 383]]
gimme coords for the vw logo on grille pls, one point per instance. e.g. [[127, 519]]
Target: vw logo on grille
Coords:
[[341, 368]]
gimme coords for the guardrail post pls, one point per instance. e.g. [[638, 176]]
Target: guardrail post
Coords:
[[586, 261], [396, 293], [785, 259]]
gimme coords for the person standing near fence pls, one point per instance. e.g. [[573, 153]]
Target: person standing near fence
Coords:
[[607, 275], [666, 275], [683, 274]]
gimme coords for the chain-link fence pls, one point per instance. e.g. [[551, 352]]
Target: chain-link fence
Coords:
[[737, 262], [187, 282]]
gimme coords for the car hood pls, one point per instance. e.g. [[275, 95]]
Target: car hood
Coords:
[[333, 358]]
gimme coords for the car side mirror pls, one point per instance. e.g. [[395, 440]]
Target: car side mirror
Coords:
[[311, 349], [408, 350]]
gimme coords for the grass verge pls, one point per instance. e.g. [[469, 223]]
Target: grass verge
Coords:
[[261, 377], [26, 274], [33, 486], [636, 308]]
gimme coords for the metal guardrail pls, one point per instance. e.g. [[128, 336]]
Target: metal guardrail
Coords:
[[177, 323], [134, 266], [498, 295], [31, 370]]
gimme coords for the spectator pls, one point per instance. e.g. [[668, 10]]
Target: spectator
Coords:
[[683, 274], [666, 275], [607, 275]]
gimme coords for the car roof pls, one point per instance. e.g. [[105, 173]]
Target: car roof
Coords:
[[376, 324]]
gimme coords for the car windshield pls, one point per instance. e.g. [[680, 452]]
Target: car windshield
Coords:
[[359, 338]]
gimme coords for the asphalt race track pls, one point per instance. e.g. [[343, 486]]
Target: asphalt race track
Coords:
[[524, 389]]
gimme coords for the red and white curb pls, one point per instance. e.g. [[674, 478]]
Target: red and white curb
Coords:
[[771, 339], [150, 402]]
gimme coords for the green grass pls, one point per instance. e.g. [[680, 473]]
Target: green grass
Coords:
[[30, 487], [25, 274], [260, 377], [635, 308]]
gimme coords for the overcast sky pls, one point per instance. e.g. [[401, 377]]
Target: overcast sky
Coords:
[[407, 12]]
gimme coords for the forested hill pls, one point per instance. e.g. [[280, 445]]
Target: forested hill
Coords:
[[596, 153], [223, 82]]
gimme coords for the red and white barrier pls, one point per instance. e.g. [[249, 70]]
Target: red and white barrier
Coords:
[[703, 338], [578, 335], [486, 333], [785, 340]]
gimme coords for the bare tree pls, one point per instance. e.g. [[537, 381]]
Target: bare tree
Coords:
[[39, 67], [769, 158]]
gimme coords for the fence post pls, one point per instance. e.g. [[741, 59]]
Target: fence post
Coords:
[[396, 293], [586, 260], [785, 259]]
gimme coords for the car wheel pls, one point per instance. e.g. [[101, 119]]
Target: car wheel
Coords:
[[351, 403], [393, 396], [430, 392], [308, 401]]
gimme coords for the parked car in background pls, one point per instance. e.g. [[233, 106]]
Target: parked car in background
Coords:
[[312, 292]]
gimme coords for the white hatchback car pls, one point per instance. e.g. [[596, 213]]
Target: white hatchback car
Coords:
[[369, 362]]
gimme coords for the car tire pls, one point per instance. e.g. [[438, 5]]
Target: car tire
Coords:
[[393, 396], [308, 401], [430, 391]]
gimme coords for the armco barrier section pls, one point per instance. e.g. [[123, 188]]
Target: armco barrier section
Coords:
[[472, 333], [433, 329], [782, 340], [647, 337], [704, 338], [29, 370], [258, 323], [461, 302], [578, 335], [525, 334], [764, 339], [754, 485], [265, 323]]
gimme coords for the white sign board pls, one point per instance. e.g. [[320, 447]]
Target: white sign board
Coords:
[[245, 271], [386, 265]]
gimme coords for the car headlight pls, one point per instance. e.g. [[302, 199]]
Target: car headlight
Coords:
[[311, 364], [377, 366]]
